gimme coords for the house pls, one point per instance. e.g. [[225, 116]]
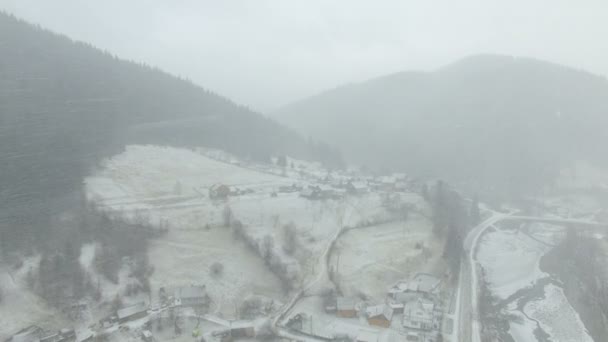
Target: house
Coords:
[[418, 314], [357, 187], [387, 183], [401, 186], [289, 188], [310, 326], [421, 283], [367, 336], [397, 307], [132, 312], [296, 322], [242, 329], [191, 296], [413, 336], [219, 191], [85, 335], [346, 307], [323, 190], [309, 194], [330, 306], [146, 336], [400, 177], [379, 315]]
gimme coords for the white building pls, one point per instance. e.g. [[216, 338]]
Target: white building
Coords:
[[418, 314]]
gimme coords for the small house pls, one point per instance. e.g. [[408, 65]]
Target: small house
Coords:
[[132, 312], [219, 191], [242, 329], [421, 283], [309, 194], [397, 307], [413, 337], [323, 191], [387, 183], [296, 322], [379, 315], [146, 336], [346, 307], [85, 335], [418, 314], [401, 186], [357, 187], [367, 336], [192, 296]]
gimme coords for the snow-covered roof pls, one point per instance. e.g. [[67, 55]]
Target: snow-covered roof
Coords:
[[387, 180], [359, 185], [380, 310], [426, 282], [306, 192], [395, 305], [418, 310], [324, 187], [131, 310], [367, 336], [343, 303]]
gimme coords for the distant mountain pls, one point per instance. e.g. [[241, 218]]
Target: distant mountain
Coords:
[[64, 105], [496, 121]]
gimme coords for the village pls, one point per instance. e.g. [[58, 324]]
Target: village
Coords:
[[302, 284]]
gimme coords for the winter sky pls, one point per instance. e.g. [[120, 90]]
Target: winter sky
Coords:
[[264, 53]]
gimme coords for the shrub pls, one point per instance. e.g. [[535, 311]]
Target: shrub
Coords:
[[216, 269]]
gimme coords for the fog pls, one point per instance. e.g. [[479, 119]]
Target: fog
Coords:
[[349, 171], [271, 52]]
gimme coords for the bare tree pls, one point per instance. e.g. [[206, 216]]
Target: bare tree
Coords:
[[290, 236], [227, 216]]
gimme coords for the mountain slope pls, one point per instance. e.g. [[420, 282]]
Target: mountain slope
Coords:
[[493, 120], [64, 105]]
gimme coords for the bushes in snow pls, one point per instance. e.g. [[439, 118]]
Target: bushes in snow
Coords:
[[290, 236], [285, 269], [216, 269], [251, 307]]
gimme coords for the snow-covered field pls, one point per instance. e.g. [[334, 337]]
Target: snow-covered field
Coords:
[[510, 259], [371, 259], [21, 308], [557, 317], [169, 186]]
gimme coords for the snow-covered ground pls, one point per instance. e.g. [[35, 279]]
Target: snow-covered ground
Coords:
[[557, 317], [170, 186], [21, 308], [371, 259], [510, 259]]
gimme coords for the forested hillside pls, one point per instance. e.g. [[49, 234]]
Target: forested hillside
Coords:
[[65, 105], [500, 122]]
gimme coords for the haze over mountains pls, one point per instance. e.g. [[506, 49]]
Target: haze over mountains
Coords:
[[496, 121], [65, 105]]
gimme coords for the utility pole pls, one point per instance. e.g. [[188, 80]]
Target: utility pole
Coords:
[[338, 268]]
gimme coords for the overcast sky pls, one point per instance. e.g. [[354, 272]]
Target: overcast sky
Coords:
[[264, 53]]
